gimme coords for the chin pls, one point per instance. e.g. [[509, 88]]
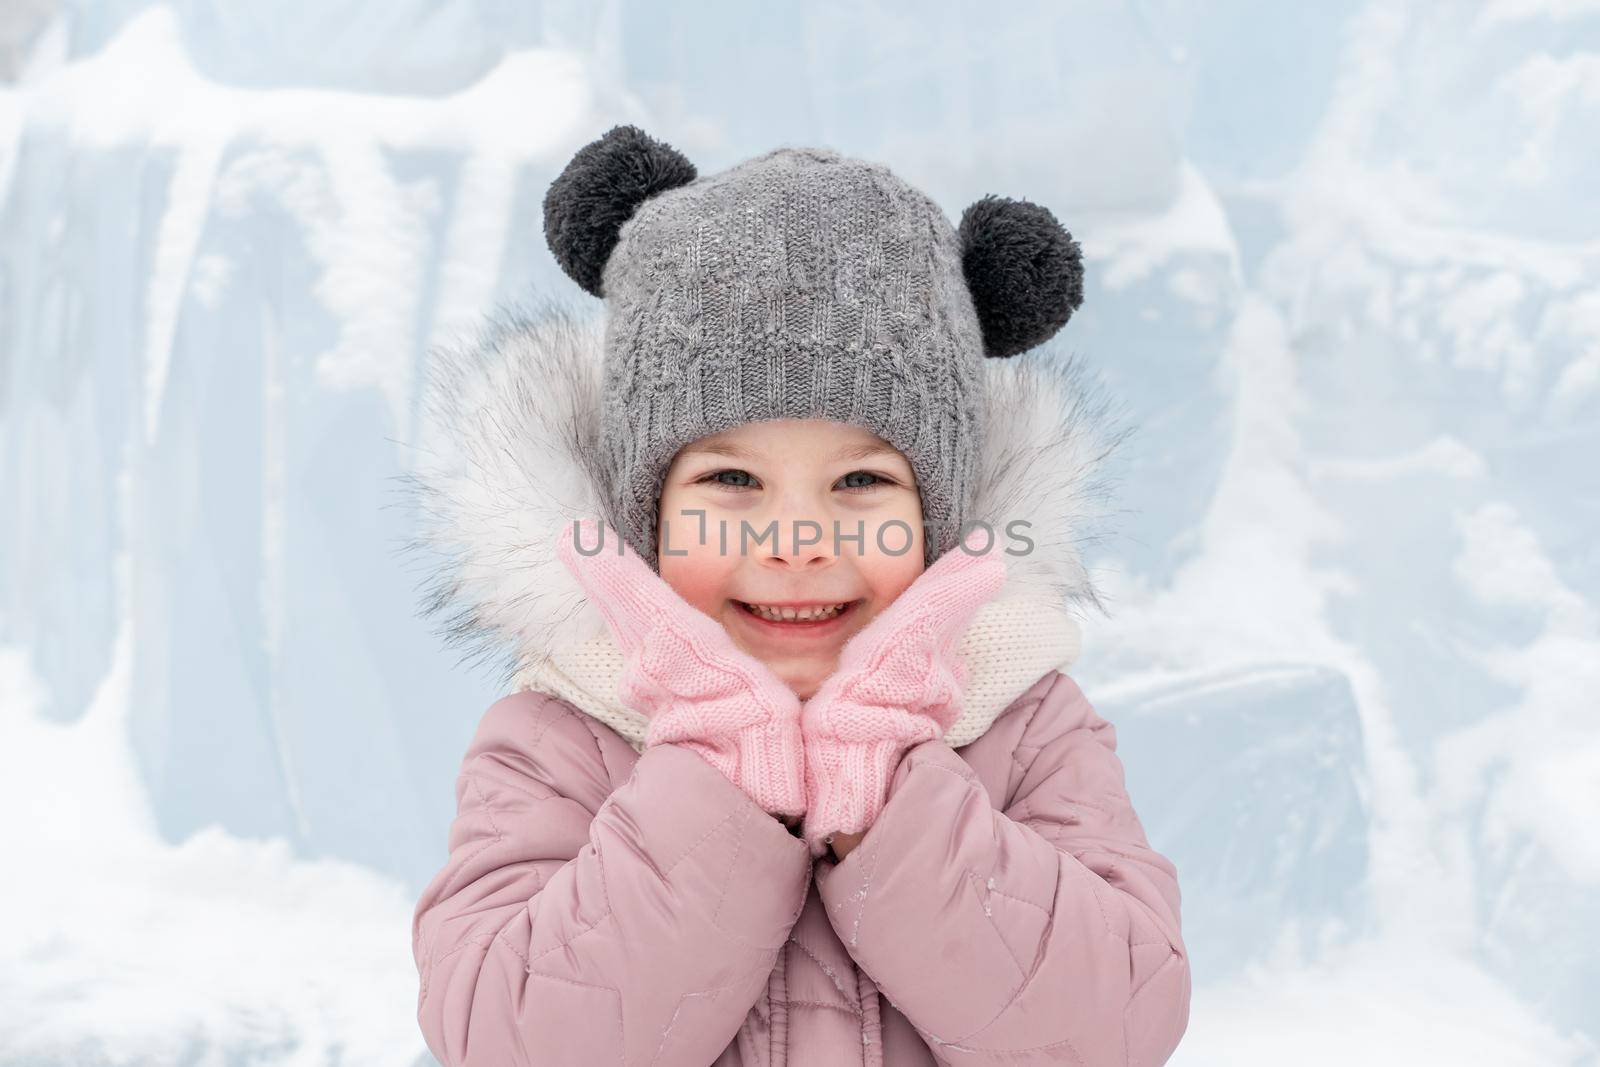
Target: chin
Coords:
[[804, 686], [803, 676]]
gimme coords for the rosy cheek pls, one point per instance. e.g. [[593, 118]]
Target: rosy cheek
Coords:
[[890, 576], [701, 578]]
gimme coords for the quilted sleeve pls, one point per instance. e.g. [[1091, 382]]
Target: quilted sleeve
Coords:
[[573, 924], [1044, 933]]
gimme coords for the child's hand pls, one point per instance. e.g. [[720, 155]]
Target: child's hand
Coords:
[[684, 673], [898, 684]]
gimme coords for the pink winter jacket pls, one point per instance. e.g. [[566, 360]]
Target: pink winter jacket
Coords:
[[602, 906]]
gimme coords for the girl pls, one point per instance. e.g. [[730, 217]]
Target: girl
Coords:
[[792, 772]]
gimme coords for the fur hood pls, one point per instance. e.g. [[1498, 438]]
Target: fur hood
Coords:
[[508, 457]]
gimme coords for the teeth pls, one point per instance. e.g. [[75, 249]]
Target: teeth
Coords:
[[795, 614]]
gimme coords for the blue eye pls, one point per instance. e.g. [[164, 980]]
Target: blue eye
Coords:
[[717, 477], [876, 480], [856, 481]]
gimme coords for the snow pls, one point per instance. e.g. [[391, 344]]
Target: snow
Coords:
[[137, 950], [1343, 270]]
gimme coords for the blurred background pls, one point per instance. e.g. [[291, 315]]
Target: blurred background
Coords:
[[1343, 278]]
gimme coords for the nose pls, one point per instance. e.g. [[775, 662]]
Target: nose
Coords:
[[802, 547]]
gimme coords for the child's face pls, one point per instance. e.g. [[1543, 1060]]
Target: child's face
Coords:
[[792, 473]]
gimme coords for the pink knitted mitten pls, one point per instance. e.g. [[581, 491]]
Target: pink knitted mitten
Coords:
[[684, 673], [898, 683]]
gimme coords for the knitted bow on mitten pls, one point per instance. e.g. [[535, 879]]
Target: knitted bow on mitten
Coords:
[[684, 673], [898, 683]]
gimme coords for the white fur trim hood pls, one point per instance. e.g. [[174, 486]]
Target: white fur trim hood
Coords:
[[507, 460]]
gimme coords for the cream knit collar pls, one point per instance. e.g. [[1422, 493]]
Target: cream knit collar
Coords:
[[1010, 645]]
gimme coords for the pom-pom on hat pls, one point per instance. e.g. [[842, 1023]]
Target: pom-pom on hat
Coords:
[[800, 283]]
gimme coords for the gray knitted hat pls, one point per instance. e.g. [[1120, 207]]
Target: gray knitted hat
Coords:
[[798, 284]]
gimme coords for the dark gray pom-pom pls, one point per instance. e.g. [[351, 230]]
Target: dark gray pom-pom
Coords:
[[599, 190], [1024, 270]]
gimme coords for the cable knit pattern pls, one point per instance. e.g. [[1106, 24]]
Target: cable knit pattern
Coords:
[[800, 283], [898, 683], [684, 673]]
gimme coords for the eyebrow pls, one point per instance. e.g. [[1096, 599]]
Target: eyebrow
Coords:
[[712, 448], [871, 448], [715, 448]]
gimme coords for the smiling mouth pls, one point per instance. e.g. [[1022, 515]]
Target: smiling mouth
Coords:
[[801, 616]]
